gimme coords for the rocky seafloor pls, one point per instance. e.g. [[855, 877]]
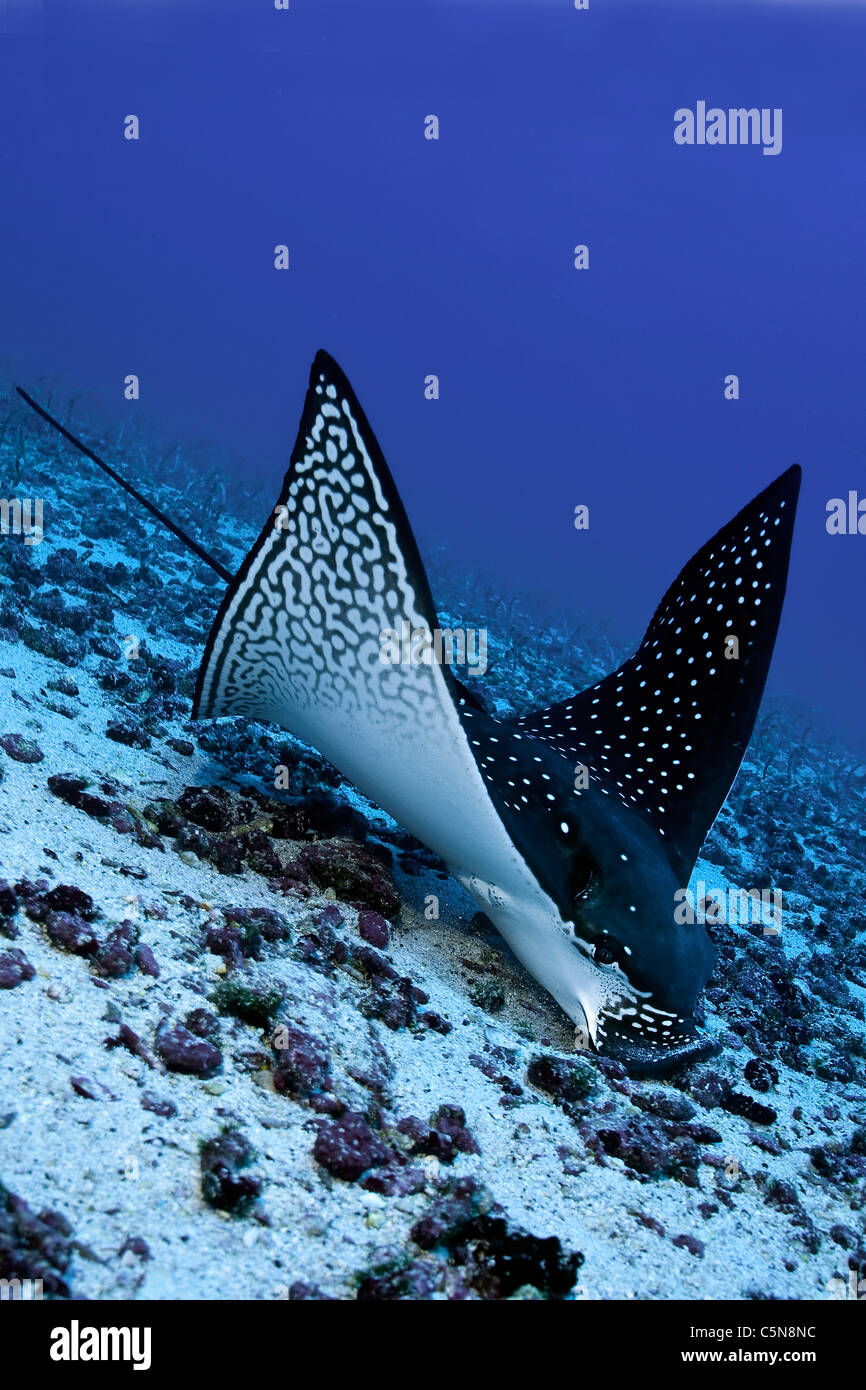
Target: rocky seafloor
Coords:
[[255, 1044]]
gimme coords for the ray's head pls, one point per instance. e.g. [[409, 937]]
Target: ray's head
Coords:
[[611, 951], [643, 970]]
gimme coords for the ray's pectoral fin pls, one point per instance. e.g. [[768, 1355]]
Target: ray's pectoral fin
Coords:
[[667, 732], [323, 629], [301, 636]]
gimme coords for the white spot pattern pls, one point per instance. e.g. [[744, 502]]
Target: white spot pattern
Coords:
[[666, 733]]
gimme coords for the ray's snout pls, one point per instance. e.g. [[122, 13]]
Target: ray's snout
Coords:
[[641, 1058], [658, 1034]]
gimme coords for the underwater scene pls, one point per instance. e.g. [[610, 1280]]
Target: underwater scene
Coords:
[[436, 871]]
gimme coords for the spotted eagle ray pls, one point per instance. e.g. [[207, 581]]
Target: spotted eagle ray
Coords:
[[572, 827]]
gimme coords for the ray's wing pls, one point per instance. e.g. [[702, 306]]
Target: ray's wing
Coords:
[[335, 566], [668, 730], [298, 639]]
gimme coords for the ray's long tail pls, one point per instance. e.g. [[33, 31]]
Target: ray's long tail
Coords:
[[133, 492]]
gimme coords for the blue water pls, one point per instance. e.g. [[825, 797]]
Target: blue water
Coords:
[[454, 257]]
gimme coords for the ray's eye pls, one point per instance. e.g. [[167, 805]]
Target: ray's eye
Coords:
[[607, 951]]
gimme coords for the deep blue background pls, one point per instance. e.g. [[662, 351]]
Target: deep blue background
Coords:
[[409, 257]]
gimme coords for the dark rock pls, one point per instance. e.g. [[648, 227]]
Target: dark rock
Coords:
[[613, 1070], [354, 872], [393, 1002], [15, 968], [374, 966], [34, 1246], [128, 734], [650, 1223], [289, 823], [183, 1051], [844, 1236], [303, 1064], [373, 928], [165, 817], [260, 855], [258, 923], [837, 1165], [146, 961], [21, 749], [691, 1243], [782, 1195], [435, 1021], [223, 1184], [394, 1180], [67, 898], [495, 1259], [765, 1142], [223, 940], [204, 1024], [8, 908], [67, 786], [181, 746], [664, 1104], [567, 1080], [702, 1134], [461, 1202], [403, 1280], [89, 1089], [70, 932], [253, 1004], [110, 812], [64, 647], [208, 807], [227, 856], [128, 1038], [50, 608], [348, 1147], [323, 1104], [488, 995], [710, 1089], [31, 896], [116, 956], [136, 1245], [165, 1108], [321, 948], [761, 1075], [839, 1066], [738, 1104], [105, 646], [652, 1150], [328, 815], [444, 1138]]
